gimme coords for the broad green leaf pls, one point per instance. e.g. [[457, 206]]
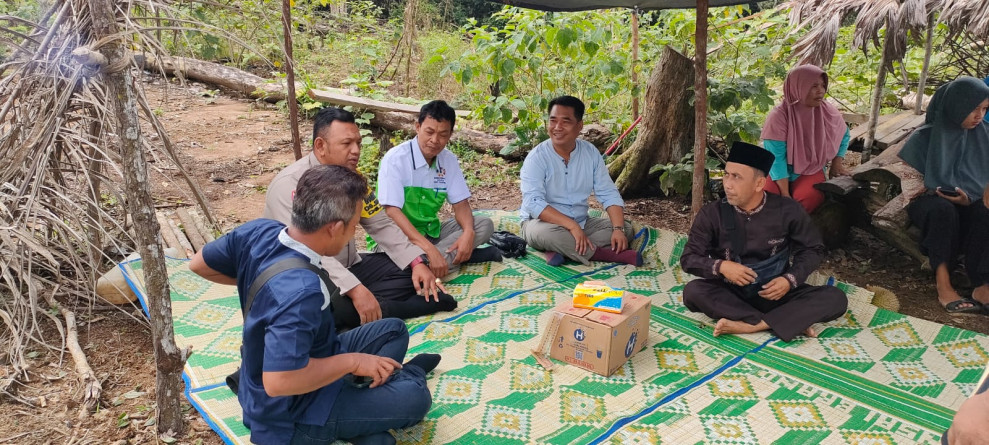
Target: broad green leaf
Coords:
[[591, 48], [565, 37], [507, 67]]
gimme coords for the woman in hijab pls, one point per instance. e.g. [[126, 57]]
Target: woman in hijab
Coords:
[[804, 132], [951, 150], [986, 80]]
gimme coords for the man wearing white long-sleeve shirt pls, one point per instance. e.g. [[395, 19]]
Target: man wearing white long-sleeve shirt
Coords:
[[558, 177]]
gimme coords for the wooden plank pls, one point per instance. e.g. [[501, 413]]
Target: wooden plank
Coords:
[[367, 104], [204, 230], [168, 236], [858, 133], [855, 118], [191, 231], [183, 241], [896, 135], [840, 186], [894, 123]]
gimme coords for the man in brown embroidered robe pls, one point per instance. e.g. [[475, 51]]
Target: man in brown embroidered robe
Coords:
[[741, 248]]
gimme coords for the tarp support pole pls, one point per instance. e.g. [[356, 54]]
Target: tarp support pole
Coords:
[[700, 108], [635, 61]]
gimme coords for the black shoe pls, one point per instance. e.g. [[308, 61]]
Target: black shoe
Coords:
[[484, 254], [508, 243], [426, 362]]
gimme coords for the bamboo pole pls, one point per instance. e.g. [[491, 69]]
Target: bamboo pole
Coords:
[[700, 106]]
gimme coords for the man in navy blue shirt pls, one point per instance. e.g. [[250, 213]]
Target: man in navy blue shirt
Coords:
[[301, 382]]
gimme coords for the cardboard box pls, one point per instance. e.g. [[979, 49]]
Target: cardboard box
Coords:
[[601, 342]]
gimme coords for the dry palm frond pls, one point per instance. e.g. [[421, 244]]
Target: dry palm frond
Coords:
[[970, 16], [823, 18], [62, 218]]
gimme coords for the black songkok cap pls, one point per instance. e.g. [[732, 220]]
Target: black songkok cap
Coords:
[[752, 155]]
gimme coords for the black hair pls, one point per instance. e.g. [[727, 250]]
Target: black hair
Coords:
[[568, 101], [326, 116], [326, 194], [439, 110]]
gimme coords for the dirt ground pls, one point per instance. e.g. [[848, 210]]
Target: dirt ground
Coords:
[[233, 148]]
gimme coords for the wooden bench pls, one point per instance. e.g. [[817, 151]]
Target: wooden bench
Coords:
[[876, 196], [892, 129]]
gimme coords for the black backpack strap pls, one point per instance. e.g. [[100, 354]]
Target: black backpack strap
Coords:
[[277, 268], [233, 380], [735, 232]]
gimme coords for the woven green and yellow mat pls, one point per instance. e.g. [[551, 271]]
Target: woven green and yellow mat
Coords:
[[872, 377]]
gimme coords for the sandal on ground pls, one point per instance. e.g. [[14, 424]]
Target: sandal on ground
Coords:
[[956, 307]]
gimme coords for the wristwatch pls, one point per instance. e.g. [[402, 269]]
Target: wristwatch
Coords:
[[622, 228], [421, 259]]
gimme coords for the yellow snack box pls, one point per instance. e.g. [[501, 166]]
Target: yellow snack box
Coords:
[[597, 295]]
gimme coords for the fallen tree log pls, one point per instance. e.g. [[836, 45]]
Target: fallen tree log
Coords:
[[478, 140], [364, 103], [484, 142], [877, 193], [229, 78], [387, 115]]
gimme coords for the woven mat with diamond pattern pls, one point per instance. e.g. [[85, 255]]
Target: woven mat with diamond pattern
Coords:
[[872, 377]]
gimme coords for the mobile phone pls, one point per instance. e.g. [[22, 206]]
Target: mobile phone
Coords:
[[364, 381], [949, 192]]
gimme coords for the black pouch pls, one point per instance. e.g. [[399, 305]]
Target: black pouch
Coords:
[[233, 380], [508, 243], [766, 270]]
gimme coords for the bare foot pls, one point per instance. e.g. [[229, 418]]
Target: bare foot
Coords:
[[726, 326], [810, 332], [981, 294], [947, 294]]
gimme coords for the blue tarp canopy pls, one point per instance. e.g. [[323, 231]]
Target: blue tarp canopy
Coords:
[[584, 5]]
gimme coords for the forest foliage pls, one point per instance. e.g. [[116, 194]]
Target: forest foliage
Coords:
[[505, 63]]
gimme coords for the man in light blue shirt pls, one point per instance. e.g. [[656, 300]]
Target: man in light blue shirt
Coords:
[[558, 177]]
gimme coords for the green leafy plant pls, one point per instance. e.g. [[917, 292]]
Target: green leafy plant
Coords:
[[678, 177], [513, 70], [737, 107], [370, 147]]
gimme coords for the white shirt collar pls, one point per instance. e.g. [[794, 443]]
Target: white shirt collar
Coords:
[[313, 257], [418, 159]]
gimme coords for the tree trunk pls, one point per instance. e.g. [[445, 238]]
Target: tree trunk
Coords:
[[877, 97], [666, 131], [120, 86], [922, 83], [635, 62]]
